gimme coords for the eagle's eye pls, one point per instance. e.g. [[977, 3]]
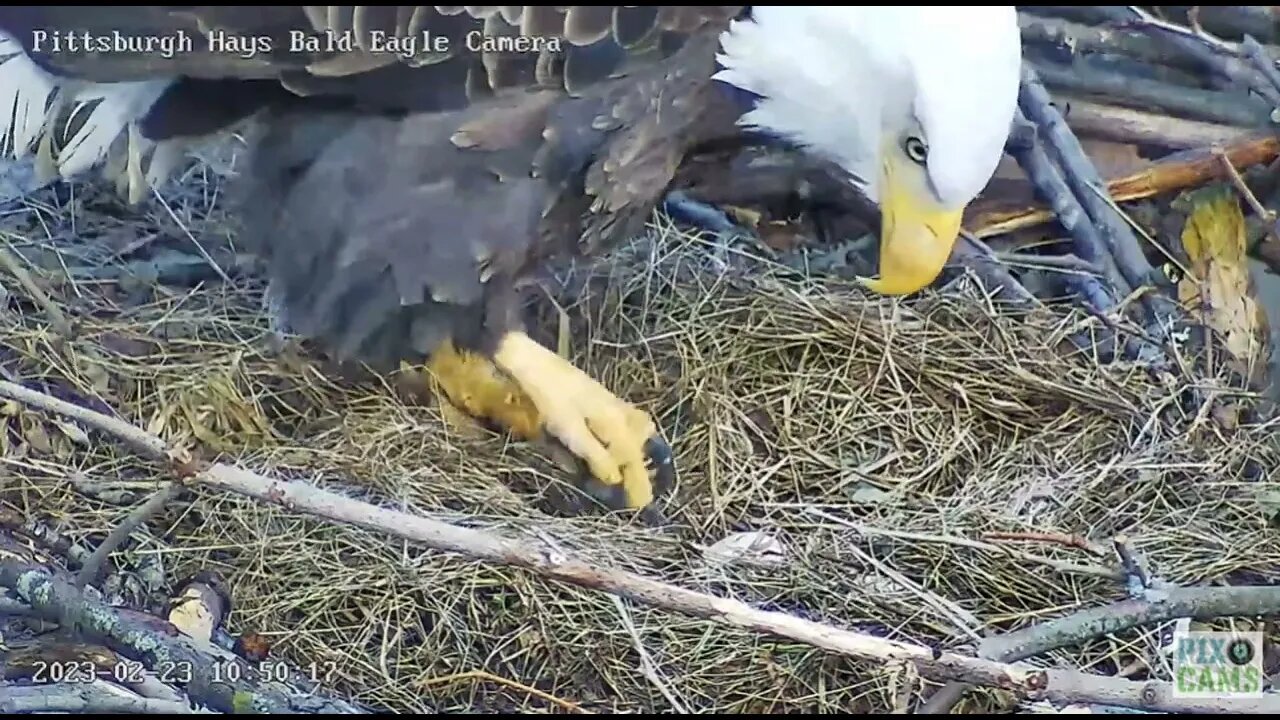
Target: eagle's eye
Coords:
[[916, 149]]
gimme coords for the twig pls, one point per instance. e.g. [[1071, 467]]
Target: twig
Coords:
[[1194, 32], [1057, 565], [61, 326], [484, 676], [1137, 577], [12, 607], [1062, 263], [1025, 682], [73, 552], [91, 697], [1240, 20], [974, 254], [1193, 20], [647, 666], [168, 267], [1266, 215], [520, 553], [476, 543], [187, 231], [1215, 54], [1072, 541], [140, 440], [1079, 38], [147, 684], [89, 573], [1194, 603], [156, 644], [966, 622], [1060, 685], [1224, 20]]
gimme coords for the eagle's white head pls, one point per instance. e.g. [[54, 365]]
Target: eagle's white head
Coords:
[[915, 102]]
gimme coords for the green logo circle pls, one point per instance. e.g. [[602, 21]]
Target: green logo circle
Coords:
[[1240, 651]]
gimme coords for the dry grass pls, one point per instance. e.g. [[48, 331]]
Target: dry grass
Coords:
[[878, 441]]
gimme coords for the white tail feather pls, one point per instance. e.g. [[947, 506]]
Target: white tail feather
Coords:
[[106, 111], [120, 105], [25, 90]]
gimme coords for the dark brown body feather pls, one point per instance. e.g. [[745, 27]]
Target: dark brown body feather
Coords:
[[387, 236], [387, 233]]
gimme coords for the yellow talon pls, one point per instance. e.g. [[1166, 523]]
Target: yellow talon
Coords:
[[612, 436], [531, 392]]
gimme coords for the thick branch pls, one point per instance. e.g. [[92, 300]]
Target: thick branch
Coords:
[[1053, 189], [1078, 38], [1194, 603], [1170, 174], [161, 648], [1118, 124], [1205, 105], [1160, 315], [86, 698], [1084, 182]]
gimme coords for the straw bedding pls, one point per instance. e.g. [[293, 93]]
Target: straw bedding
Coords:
[[876, 441]]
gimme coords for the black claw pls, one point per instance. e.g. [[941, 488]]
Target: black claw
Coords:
[[661, 464], [661, 467], [662, 460], [652, 517]]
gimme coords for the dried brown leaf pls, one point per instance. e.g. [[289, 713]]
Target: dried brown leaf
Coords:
[[1220, 289]]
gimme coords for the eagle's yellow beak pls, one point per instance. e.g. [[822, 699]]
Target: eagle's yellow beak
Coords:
[[916, 233]]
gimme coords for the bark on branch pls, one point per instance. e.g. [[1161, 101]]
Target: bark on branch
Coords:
[[1170, 174], [1167, 604], [206, 675], [83, 698]]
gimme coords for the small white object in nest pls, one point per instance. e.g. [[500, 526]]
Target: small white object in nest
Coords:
[[747, 548]]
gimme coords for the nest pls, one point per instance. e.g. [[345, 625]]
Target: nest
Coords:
[[879, 443]]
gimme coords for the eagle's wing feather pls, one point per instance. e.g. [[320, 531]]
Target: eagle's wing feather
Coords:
[[595, 43], [377, 254], [387, 236], [384, 235]]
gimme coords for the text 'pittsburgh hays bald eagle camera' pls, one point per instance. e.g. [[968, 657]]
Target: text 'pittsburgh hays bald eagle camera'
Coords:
[[403, 176]]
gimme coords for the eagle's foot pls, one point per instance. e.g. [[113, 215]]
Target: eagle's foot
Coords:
[[618, 442], [475, 386]]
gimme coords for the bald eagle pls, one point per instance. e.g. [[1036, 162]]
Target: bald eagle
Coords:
[[409, 164]]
